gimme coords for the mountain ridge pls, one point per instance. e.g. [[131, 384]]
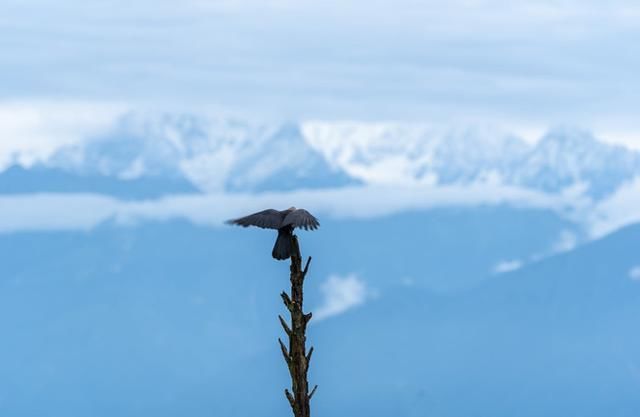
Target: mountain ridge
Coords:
[[236, 155]]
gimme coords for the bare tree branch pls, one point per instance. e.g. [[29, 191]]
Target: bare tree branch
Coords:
[[287, 300], [309, 357], [287, 358], [307, 317], [292, 402], [285, 326], [306, 267], [297, 360], [313, 391]]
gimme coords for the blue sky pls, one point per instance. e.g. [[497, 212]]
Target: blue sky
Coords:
[[526, 64]]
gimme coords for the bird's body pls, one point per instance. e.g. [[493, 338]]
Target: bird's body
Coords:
[[284, 222]]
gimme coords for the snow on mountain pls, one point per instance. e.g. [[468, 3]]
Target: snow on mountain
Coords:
[[391, 153], [413, 154], [565, 157], [213, 154], [227, 154], [159, 145], [283, 161]]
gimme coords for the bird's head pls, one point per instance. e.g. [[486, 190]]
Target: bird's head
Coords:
[[292, 208]]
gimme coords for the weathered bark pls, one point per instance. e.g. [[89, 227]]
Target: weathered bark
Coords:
[[296, 357]]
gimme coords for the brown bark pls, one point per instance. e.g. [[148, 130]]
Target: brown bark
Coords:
[[296, 356]]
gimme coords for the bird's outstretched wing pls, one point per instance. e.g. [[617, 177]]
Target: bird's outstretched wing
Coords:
[[301, 219], [266, 219]]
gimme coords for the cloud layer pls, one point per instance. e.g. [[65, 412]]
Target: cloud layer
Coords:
[[32, 130], [84, 211], [524, 63]]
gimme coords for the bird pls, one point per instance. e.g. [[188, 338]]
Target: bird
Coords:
[[284, 221]]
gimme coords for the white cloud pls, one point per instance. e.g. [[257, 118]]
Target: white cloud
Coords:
[[634, 273], [565, 242], [73, 211], [32, 130], [55, 211], [382, 59], [341, 294], [507, 266]]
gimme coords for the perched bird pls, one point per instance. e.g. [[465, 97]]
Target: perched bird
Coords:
[[284, 221]]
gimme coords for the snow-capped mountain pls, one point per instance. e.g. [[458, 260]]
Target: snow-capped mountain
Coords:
[[212, 154], [217, 154], [406, 154], [564, 157], [282, 161], [390, 153]]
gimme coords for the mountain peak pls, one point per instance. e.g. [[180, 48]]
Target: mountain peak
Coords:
[[566, 156], [231, 154]]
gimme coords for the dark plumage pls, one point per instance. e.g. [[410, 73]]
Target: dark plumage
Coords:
[[284, 222]]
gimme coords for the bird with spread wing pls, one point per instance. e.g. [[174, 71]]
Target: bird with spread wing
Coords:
[[284, 222]]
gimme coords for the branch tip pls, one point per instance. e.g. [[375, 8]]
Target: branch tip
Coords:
[[306, 267], [285, 353], [285, 326], [313, 391], [287, 300], [307, 317], [292, 402], [309, 357]]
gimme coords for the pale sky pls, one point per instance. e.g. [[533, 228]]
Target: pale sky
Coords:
[[520, 63]]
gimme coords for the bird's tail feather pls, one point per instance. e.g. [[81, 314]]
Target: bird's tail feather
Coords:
[[282, 248]]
